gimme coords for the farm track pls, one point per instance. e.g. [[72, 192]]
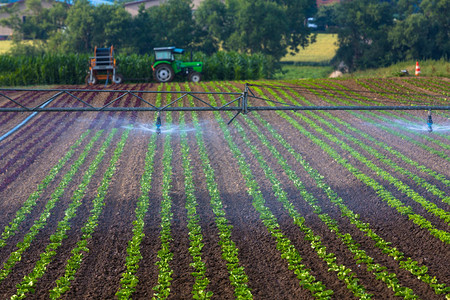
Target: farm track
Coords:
[[262, 196]]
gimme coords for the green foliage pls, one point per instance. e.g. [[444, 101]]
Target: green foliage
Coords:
[[72, 68], [362, 34], [238, 277], [195, 231], [269, 27], [74, 262], [40, 223], [28, 205], [30, 280], [284, 245], [129, 279]]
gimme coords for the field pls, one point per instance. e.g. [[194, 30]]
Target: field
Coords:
[[276, 205], [322, 51], [5, 46]]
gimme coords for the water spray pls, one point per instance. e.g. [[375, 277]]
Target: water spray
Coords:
[[158, 123], [430, 122]]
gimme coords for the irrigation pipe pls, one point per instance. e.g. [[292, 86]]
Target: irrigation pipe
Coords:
[[17, 127]]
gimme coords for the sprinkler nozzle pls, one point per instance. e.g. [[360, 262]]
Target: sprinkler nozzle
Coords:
[[430, 122], [158, 123]]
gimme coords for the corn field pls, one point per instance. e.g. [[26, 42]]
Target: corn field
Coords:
[[72, 68]]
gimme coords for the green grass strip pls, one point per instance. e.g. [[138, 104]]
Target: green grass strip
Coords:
[[129, 280], [31, 201], [74, 262], [40, 223], [29, 281], [237, 276], [195, 231], [284, 245]]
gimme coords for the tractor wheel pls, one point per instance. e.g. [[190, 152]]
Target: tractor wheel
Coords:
[[118, 79], [164, 73], [88, 80], [195, 77]]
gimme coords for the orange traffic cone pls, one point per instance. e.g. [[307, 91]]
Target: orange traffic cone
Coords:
[[417, 69]]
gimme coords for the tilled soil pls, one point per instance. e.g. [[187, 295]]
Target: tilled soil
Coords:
[[28, 155]]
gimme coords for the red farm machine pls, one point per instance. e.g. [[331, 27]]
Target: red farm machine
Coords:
[[103, 67]]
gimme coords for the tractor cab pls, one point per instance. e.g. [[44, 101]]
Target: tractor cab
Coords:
[[167, 65], [167, 53]]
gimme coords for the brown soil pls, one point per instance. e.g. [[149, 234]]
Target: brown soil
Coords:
[[28, 155]]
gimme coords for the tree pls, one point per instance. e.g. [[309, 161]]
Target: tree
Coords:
[[410, 38], [437, 13], [266, 26], [216, 23], [80, 27], [261, 26], [425, 33], [325, 18], [112, 26], [174, 24], [363, 33], [89, 26], [38, 22], [143, 25]]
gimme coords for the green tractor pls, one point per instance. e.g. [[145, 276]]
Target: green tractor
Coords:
[[166, 66]]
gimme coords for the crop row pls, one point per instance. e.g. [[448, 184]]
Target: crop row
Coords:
[[343, 273], [26, 208], [42, 221], [74, 262], [129, 279], [383, 127], [379, 171], [25, 135], [408, 263], [162, 289], [433, 85], [31, 143], [30, 98], [238, 277], [378, 188], [425, 136], [195, 232], [360, 255], [29, 281], [394, 152], [391, 150], [284, 245]]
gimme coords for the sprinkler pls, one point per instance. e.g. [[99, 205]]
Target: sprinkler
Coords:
[[430, 122], [158, 123]]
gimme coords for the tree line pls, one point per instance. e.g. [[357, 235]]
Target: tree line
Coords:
[[258, 26], [374, 33], [371, 33]]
